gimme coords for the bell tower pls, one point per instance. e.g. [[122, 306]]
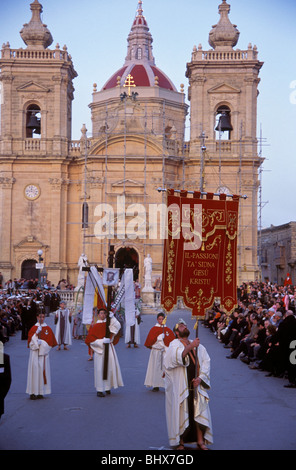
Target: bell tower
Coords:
[[36, 85], [223, 157], [37, 92]]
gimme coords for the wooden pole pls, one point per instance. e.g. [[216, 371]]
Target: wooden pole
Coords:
[[196, 355], [109, 302]]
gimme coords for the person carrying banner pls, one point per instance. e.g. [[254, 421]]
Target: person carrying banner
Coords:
[[96, 340], [41, 340], [186, 398], [158, 339]]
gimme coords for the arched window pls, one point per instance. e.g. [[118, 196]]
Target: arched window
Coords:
[[139, 53], [33, 121], [223, 125]]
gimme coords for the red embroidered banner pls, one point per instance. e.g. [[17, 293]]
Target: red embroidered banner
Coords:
[[200, 252]]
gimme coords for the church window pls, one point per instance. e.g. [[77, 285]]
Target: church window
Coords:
[[139, 53]]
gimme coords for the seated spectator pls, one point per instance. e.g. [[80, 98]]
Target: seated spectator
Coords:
[[266, 353], [255, 347], [221, 324], [247, 340]]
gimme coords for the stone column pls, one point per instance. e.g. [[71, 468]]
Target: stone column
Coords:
[[6, 185]]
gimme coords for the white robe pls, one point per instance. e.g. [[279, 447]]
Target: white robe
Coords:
[[114, 378], [67, 338], [38, 365], [154, 374], [176, 389], [128, 336]]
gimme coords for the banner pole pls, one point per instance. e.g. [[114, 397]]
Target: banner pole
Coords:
[[196, 355], [109, 301], [244, 196]]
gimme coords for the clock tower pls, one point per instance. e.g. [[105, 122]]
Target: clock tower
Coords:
[[36, 85]]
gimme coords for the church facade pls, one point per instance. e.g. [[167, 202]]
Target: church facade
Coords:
[[67, 197]]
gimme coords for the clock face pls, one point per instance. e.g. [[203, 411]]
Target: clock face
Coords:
[[32, 192], [223, 190]]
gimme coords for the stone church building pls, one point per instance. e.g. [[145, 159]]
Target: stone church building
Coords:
[[56, 193]]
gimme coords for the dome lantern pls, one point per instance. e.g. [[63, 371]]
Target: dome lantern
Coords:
[[139, 61]]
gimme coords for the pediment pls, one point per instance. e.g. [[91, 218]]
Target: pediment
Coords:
[[224, 88], [29, 242], [127, 183], [33, 87]]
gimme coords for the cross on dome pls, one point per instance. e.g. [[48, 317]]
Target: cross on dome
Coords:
[[129, 83]]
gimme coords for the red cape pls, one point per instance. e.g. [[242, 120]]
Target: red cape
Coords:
[[155, 332], [98, 331], [46, 335]]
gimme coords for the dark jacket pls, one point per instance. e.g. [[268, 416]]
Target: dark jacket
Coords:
[[5, 381]]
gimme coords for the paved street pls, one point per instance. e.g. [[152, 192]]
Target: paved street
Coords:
[[249, 410]]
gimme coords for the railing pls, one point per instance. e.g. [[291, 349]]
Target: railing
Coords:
[[230, 55], [68, 296], [224, 146], [74, 147], [225, 55], [29, 54], [77, 147], [32, 144]]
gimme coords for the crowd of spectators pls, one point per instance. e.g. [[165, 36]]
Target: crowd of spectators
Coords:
[[19, 306], [15, 284], [262, 329]]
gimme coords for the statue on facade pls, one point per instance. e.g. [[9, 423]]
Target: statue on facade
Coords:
[[148, 274], [82, 262], [148, 266]]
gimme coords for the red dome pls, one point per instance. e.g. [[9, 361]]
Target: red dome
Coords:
[[143, 75]]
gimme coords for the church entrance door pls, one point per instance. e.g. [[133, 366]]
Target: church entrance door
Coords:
[[127, 258], [29, 270]]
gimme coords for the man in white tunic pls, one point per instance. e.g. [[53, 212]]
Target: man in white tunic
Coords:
[[40, 341], [158, 339], [187, 401], [63, 319], [96, 340]]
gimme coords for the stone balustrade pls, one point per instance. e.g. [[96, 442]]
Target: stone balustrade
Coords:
[[35, 54], [32, 145], [225, 55]]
